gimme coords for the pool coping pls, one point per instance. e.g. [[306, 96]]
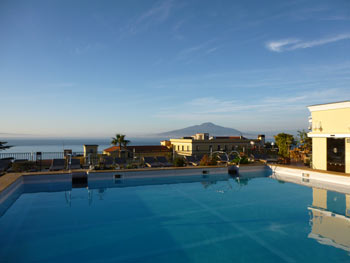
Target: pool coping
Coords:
[[9, 178], [309, 169], [308, 177]]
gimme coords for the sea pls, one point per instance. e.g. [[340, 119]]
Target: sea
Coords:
[[31, 145]]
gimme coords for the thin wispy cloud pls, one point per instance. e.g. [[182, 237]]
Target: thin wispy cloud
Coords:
[[293, 44], [158, 13], [336, 18], [320, 13], [280, 45], [88, 47], [214, 49], [218, 108], [178, 28], [202, 49]]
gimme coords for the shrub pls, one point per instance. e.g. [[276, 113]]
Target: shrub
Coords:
[[284, 141], [179, 162], [242, 160]]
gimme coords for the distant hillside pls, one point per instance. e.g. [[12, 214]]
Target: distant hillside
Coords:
[[208, 127]]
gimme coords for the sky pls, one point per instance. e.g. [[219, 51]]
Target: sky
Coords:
[[96, 68]]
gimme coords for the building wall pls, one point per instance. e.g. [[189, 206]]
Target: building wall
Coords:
[[182, 147], [347, 155], [188, 147], [319, 153], [331, 121]]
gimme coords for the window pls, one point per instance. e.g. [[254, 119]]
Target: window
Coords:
[[188, 148], [218, 147], [183, 147], [336, 155], [197, 148]]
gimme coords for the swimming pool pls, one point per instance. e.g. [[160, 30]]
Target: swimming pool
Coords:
[[191, 218]]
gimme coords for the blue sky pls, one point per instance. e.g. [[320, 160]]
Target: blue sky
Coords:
[[94, 68]]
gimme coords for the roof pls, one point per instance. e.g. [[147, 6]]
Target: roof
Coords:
[[229, 137], [140, 148], [330, 106]]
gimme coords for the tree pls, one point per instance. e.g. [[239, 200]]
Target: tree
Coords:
[[284, 141], [305, 142], [119, 140], [3, 146], [179, 162]]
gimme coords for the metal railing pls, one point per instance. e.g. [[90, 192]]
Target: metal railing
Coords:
[[33, 156]]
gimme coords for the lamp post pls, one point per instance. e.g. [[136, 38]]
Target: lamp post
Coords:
[[272, 145]]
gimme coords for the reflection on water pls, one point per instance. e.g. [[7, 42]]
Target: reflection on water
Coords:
[[330, 218], [329, 212]]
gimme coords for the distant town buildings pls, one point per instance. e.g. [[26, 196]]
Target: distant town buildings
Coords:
[[330, 133], [202, 143], [138, 151]]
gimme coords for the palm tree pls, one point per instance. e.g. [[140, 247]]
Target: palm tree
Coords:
[[3, 146], [119, 140]]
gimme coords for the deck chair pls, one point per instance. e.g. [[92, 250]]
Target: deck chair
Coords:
[[107, 161], [75, 164], [163, 161], [119, 161], [223, 158], [151, 162], [20, 161], [57, 164], [4, 165], [191, 160]]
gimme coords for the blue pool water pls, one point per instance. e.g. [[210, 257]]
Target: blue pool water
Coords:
[[200, 218]]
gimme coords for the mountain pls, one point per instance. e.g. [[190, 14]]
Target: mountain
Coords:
[[208, 127]]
